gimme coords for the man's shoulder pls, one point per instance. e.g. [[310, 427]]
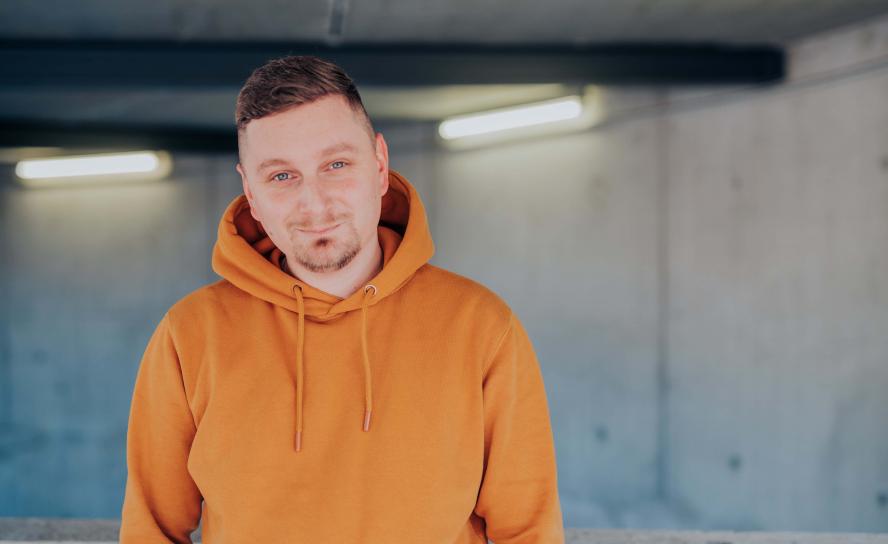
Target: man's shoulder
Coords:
[[211, 298], [464, 291]]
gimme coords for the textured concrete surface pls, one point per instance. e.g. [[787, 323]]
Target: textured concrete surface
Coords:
[[466, 21]]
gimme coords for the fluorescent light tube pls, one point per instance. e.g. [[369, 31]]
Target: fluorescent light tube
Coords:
[[139, 165], [550, 111]]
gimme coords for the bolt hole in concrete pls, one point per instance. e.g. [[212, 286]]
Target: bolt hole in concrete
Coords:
[[735, 462], [601, 433]]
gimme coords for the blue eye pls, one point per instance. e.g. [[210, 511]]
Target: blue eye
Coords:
[[338, 162], [275, 177]]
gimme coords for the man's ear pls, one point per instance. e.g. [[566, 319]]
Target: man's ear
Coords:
[[382, 161], [243, 175], [247, 191]]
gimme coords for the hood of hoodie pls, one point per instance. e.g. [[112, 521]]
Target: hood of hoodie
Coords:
[[245, 256]]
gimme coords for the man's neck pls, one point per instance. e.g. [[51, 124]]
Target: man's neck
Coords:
[[345, 281]]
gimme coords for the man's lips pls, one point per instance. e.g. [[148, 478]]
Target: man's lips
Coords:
[[322, 231]]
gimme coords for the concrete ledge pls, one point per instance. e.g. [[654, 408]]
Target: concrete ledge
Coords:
[[102, 531]]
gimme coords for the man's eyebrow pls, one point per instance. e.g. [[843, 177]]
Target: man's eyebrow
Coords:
[[272, 162], [335, 148]]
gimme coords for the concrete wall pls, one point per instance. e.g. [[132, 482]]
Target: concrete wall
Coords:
[[778, 305], [704, 277], [87, 273]]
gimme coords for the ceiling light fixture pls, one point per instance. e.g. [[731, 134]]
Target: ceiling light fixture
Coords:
[[129, 166], [528, 115]]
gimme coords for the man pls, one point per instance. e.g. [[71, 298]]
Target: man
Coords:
[[335, 387]]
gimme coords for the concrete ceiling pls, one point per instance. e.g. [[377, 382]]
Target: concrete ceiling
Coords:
[[337, 22], [465, 21]]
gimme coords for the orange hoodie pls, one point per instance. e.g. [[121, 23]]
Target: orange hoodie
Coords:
[[412, 410]]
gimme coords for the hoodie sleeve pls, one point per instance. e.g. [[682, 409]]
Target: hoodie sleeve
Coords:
[[161, 502], [518, 498]]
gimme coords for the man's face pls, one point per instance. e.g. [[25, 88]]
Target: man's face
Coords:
[[313, 167]]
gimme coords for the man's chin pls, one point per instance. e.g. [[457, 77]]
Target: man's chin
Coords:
[[320, 266]]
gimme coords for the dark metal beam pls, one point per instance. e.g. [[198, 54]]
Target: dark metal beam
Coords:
[[116, 137], [145, 64], [92, 137]]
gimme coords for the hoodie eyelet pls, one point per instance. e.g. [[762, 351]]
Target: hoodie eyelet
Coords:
[[368, 286]]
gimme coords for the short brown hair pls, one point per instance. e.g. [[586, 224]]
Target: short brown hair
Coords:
[[290, 81]]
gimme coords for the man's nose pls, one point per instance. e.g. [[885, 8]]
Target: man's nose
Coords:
[[311, 196]]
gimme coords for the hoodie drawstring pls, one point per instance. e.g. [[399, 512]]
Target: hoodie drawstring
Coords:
[[368, 392], [300, 345], [300, 342]]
